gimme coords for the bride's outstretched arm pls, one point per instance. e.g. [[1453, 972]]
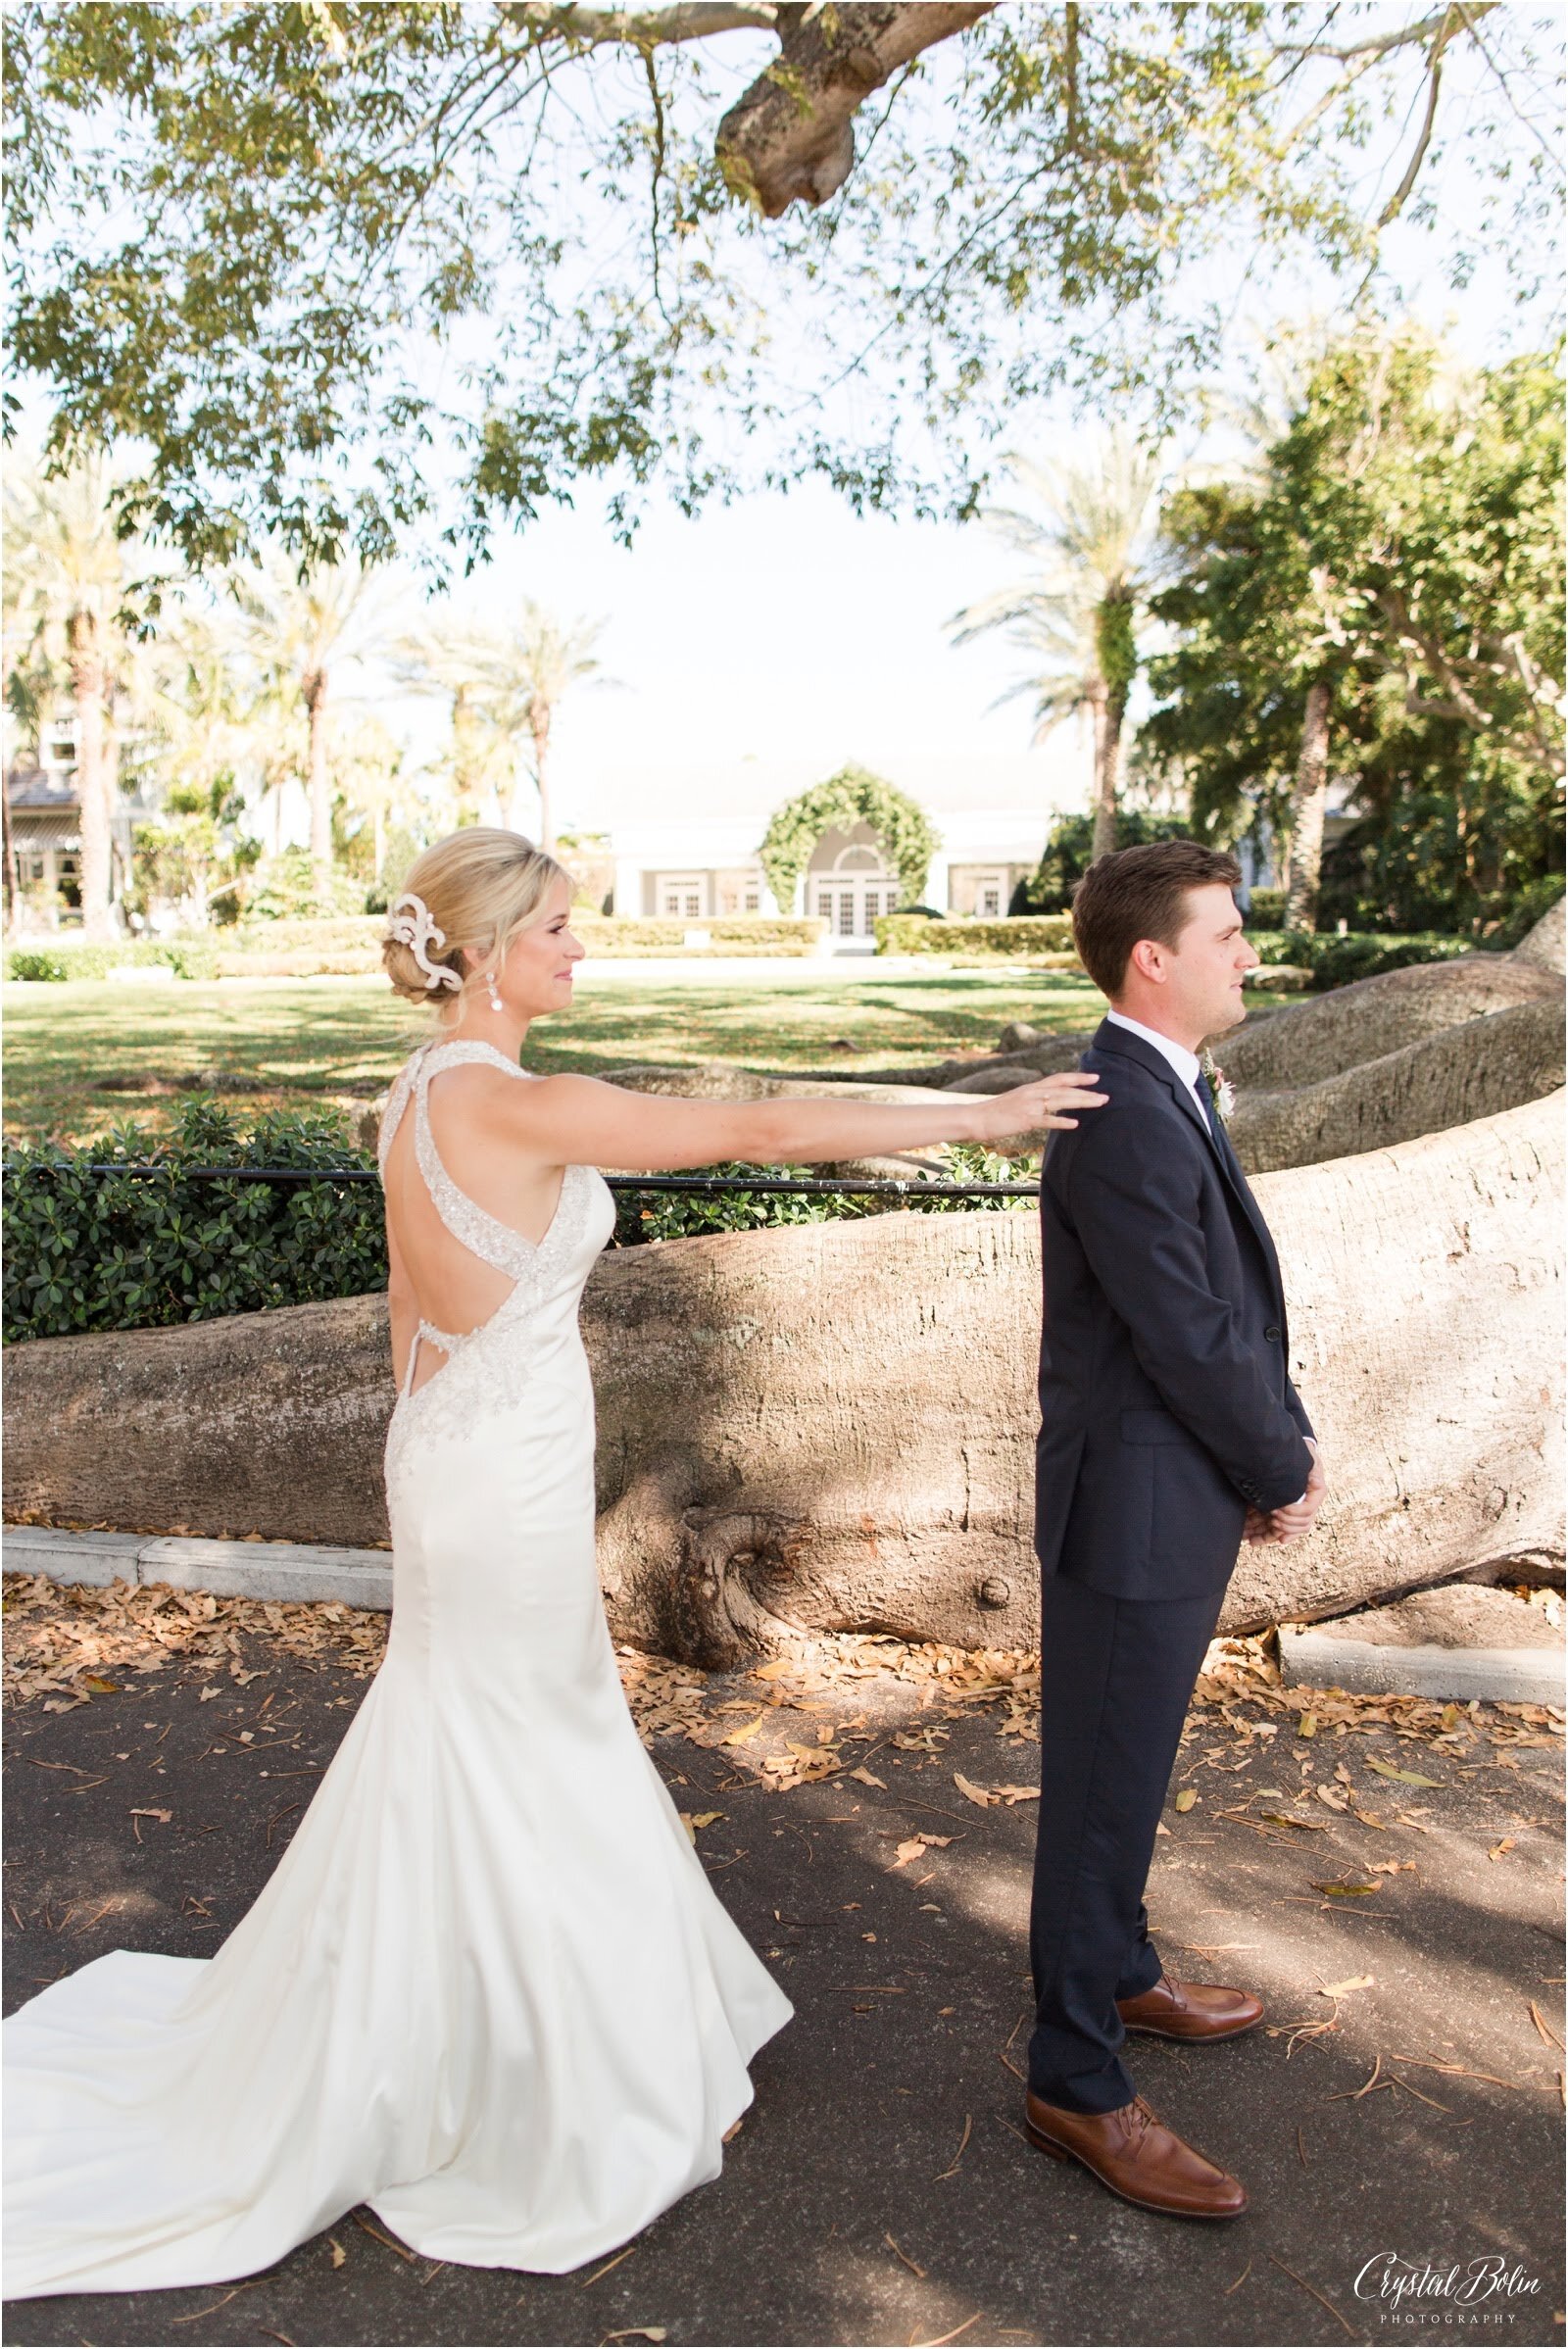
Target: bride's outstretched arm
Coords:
[[569, 1119]]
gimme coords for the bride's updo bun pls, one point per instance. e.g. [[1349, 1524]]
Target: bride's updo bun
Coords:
[[478, 887]]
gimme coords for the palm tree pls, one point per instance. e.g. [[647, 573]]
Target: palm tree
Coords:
[[447, 661], [297, 625], [68, 577], [1092, 535], [533, 669], [505, 684]]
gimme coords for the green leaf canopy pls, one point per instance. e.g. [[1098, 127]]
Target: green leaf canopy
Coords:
[[851, 797]]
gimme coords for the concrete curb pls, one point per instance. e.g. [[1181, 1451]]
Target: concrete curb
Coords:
[[1313, 1656], [281, 1571]]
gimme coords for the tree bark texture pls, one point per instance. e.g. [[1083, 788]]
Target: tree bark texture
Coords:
[[314, 689], [791, 136], [1351, 1025], [1106, 769], [832, 1426], [88, 682], [539, 730], [1442, 1080], [1307, 811], [1544, 948]]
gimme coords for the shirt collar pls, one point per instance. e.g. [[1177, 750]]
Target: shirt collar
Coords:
[[1187, 1064]]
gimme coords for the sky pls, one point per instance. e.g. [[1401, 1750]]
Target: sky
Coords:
[[785, 631], [784, 628], [780, 629]]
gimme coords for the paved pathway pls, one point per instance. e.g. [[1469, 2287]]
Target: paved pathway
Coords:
[[879, 2190]]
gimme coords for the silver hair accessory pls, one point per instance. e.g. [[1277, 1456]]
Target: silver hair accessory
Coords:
[[418, 933]]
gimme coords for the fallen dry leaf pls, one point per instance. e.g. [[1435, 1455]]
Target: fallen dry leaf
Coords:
[[1186, 1799], [868, 1778], [914, 1845], [1501, 1851], [1406, 1778], [1343, 1989], [747, 1730]]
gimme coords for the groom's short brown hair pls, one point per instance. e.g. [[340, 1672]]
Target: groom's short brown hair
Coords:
[[1140, 892]]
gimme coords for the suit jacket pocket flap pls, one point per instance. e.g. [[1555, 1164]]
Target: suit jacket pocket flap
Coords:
[[1153, 1427]]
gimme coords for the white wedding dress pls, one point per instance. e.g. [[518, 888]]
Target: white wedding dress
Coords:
[[488, 1990]]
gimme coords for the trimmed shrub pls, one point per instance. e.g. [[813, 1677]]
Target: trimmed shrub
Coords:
[[309, 930], [737, 934], [1019, 934], [1265, 910], [648, 1216], [77, 958], [86, 1252], [1334, 961], [89, 1252]]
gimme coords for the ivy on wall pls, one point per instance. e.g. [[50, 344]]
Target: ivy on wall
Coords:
[[851, 797]]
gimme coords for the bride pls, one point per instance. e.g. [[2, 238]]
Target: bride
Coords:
[[488, 1990]]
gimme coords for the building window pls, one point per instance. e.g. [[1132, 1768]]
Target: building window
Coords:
[[752, 903], [680, 897], [990, 894]]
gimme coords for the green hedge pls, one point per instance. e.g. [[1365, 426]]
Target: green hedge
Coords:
[[681, 1214], [1020, 934], [741, 934], [94, 1252], [75, 959], [320, 930], [1334, 961], [86, 1252], [1265, 910]]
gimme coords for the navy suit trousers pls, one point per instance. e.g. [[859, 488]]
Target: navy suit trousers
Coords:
[[1115, 1676]]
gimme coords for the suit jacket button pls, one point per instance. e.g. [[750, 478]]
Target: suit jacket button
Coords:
[[1272, 1332]]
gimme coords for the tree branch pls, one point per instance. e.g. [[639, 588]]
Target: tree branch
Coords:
[[1381, 43], [1457, 701], [790, 136], [1395, 202], [638, 28]]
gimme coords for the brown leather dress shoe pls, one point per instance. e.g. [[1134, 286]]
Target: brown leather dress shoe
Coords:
[[1191, 2010], [1137, 2157]]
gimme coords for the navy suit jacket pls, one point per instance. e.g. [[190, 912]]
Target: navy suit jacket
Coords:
[[1165, 1402]]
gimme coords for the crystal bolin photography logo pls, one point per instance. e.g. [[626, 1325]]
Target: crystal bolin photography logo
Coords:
[[1468, 2292]]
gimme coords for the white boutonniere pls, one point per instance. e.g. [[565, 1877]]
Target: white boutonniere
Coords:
[[1221, 1092]]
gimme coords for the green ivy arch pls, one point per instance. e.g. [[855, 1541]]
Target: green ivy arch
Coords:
[[851, 796]]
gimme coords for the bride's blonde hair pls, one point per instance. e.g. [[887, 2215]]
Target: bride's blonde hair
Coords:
[[479, 886]]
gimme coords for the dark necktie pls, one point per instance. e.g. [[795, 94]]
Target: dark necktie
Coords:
[[1205, 1103]]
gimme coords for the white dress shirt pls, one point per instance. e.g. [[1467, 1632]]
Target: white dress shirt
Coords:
[[1186, 1065]]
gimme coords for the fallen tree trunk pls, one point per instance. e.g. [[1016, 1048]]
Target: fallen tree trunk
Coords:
[[1446, 1078], [1324, 1036], [831, 1426]]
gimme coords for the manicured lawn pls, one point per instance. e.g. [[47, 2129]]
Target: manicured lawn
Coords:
[[341, 1039]]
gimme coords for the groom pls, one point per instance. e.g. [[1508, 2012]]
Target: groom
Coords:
[[1170, 1431]]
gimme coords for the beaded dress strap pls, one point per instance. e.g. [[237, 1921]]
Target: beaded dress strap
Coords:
[[483, 1235]]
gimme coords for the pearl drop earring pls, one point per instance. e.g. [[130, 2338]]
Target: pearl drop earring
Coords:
[[496, 1005]]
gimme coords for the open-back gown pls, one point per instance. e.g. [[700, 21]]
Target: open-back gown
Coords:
[[488, 1990]]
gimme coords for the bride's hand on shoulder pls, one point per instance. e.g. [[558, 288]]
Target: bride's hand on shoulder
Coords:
[[1047, 1102]]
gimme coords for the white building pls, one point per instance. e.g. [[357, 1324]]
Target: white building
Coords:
[[685, 840]]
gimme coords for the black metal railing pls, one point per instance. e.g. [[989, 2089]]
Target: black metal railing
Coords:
[[774, 1185]]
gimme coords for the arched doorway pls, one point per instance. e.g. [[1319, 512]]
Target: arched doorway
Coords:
[[848, 885]]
